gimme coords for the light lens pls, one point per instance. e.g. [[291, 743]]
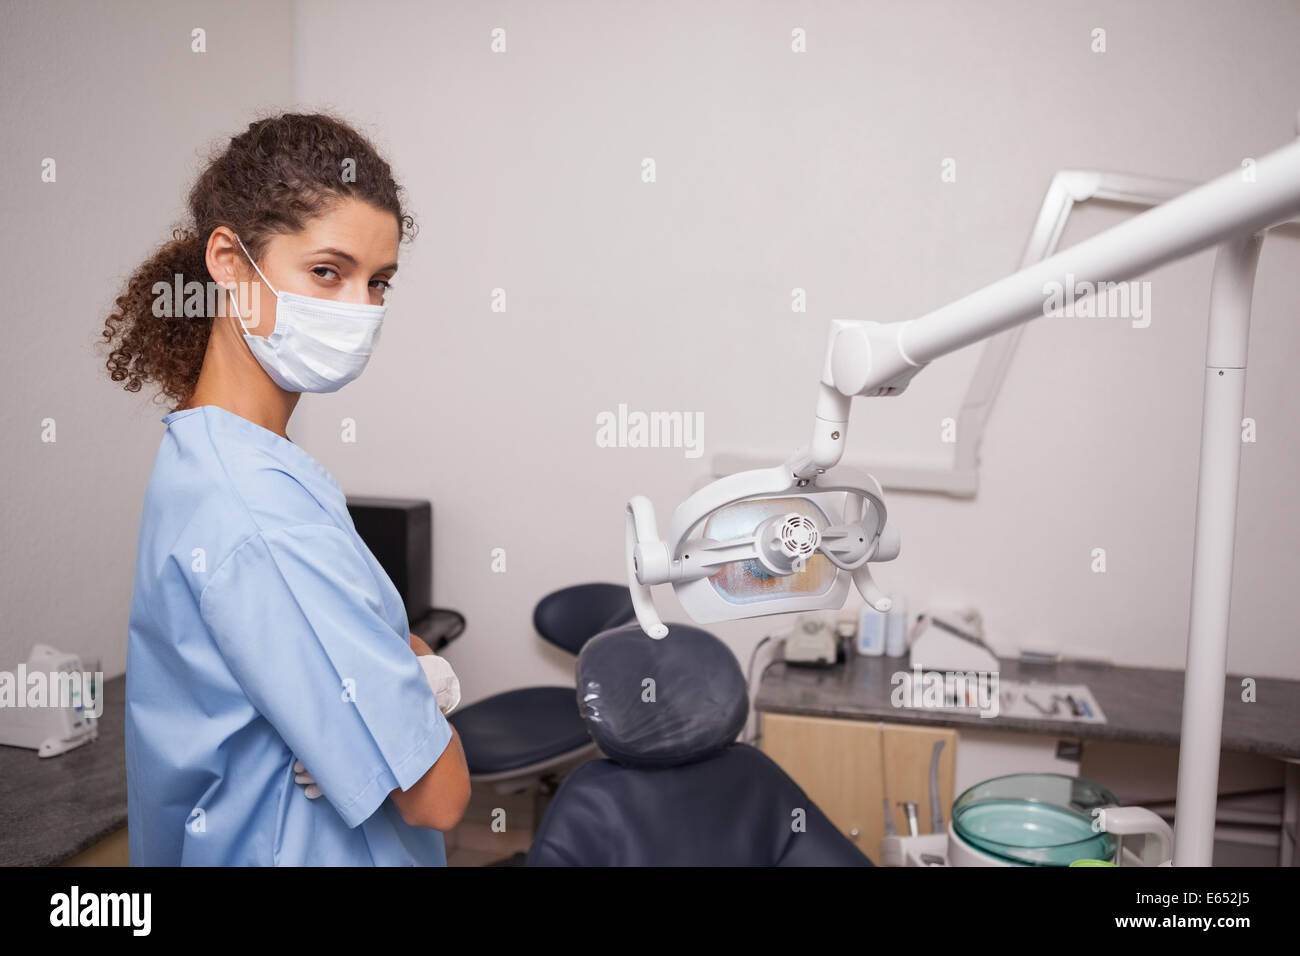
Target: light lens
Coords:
[[747, 582]]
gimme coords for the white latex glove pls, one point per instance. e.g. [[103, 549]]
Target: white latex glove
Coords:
[[442, 681]]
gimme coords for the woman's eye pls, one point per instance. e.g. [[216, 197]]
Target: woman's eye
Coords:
[[384, 284], [325, 269]]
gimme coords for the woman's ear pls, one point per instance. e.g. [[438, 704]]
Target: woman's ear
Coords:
[[223, 257]]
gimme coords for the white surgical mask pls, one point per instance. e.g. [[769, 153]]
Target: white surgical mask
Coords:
[[318, 345]]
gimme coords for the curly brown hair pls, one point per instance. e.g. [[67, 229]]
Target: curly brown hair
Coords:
[[270, 179]]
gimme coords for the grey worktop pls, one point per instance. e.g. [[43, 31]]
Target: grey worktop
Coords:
[[52, 808], [1142, 705]]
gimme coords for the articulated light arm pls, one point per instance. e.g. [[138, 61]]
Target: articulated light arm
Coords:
[[873, 358], [877, 359], [1233, 211]]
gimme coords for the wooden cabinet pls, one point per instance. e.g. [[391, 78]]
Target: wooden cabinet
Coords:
[[849, 768], [837, 763], [908, 751], [111, 851]]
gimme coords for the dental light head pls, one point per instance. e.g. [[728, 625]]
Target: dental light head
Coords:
[[762, 542], [788, 538]]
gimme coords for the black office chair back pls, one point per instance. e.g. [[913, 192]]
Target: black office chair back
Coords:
[[571, 616], [676, 789]]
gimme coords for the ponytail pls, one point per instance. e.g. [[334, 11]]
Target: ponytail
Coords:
[[151, 338]]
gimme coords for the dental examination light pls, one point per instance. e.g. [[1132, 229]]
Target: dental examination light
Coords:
[[788, 538]]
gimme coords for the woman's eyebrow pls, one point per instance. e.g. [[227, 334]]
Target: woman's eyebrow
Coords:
[[351, 260]]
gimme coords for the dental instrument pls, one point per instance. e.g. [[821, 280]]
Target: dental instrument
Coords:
[[936, 809], [770, 540]]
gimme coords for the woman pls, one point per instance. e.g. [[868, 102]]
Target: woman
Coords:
[[263, 633]]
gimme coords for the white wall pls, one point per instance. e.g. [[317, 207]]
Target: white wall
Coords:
[[114, 95], [775, 171], [818, 171]]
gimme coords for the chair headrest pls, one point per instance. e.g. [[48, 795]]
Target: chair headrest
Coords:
[[660, 703], [571, 616]]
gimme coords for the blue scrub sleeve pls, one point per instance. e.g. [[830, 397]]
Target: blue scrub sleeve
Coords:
[[296, 614]]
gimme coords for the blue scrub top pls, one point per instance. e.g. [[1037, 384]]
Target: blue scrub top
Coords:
[[263, 629]]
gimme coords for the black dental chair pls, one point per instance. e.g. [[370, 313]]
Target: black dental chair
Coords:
[[676, 789], [525, 740]]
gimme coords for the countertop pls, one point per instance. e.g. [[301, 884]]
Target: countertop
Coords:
[[52, 808], [1142, 705]]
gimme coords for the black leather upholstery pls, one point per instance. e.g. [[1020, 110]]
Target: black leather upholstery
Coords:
[[517, 728], [678, 791], [568, 618], [736, 808], [661, 703]]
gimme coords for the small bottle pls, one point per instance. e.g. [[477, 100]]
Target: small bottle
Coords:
[[872, 626]]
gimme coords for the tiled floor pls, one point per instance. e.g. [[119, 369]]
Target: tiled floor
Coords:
[[495, 827]]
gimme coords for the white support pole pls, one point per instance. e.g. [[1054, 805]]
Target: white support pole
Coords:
[[1216, 526]]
